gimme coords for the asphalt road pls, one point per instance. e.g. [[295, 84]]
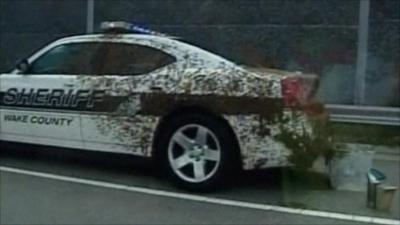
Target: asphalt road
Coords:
[[26, 199]]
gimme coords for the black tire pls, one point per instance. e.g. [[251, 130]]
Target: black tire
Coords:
[[228, 155]]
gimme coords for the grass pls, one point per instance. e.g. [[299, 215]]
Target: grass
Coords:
[[367, 134]]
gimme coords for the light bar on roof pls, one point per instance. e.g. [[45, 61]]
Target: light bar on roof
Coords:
[[121, 26]]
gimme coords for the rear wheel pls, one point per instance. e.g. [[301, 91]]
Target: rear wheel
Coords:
[[198, 151]]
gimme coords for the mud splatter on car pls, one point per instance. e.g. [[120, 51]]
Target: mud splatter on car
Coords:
[[197, 112]]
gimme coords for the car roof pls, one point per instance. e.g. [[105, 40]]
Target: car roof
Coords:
[[122, 36]]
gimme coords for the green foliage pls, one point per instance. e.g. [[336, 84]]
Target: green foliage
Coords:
[[306, 147]]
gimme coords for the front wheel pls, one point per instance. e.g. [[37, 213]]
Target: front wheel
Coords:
[[199, 152]]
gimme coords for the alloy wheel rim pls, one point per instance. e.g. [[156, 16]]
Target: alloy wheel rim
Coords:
[[194, 153]]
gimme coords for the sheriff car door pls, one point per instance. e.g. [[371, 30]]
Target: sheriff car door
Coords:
[[120, 67], [43, 105]]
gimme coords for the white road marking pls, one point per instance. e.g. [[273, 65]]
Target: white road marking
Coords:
[[198, 198]]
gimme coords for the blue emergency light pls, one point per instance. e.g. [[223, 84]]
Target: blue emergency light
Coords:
[[123, 27]]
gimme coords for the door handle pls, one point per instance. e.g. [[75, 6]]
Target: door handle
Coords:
[[156, 88], [68, 85]]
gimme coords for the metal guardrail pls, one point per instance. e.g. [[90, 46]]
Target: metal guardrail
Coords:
[[365, 114]]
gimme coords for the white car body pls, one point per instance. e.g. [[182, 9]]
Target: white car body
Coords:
[[130, 127]]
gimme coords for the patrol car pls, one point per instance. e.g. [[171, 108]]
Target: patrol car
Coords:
[[134, 91]]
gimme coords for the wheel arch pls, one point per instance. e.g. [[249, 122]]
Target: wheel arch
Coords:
[[177, 110]]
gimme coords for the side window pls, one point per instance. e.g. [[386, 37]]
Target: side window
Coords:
[[69, 59], [129, 59]]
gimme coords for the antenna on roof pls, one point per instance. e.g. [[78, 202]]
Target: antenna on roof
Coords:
[[124, 27]]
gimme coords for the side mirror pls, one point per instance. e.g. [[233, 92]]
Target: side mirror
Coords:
[[23, 66]]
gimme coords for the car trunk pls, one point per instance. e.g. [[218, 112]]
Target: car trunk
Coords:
[[298, 90]]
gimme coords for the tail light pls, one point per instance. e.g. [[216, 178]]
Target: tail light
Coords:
[[293, 91], [297, 92]]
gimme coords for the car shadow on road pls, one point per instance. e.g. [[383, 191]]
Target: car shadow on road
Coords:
[[122, 168]]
